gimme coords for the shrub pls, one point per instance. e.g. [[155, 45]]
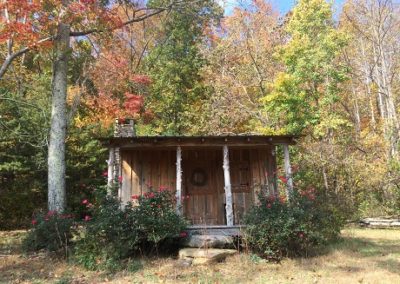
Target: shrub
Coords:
[[50, 231], [276, 228], [113, 234]]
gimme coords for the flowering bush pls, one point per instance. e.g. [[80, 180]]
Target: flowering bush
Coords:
[[276, 228], [113, 234], [51, 231]]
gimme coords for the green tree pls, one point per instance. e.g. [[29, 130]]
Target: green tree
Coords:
[[175, 64], [304, 95]]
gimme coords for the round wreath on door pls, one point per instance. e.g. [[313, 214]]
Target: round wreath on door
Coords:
[[199, 177]]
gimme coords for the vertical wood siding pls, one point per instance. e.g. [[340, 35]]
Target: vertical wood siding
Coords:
[[250, 169]]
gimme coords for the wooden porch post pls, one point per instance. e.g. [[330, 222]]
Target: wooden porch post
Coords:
[[227, 187], [179, 180], [288, 171], [110, 164]]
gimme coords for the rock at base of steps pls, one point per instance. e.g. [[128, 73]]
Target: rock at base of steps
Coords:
[[204, 256], [209, 241]]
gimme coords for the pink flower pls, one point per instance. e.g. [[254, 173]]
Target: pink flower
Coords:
[[87, 218], [268, 205], [120, 178], [183, 234], [51, 213], [301, 235], [85, 201], [163, 188], [34, 222], [105, 174]]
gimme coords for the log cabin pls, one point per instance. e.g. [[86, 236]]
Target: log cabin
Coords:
[[215, 178]]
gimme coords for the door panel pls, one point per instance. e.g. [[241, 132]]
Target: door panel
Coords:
[[201, 186]]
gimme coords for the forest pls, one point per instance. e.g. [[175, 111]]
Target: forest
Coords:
[[184, 67]]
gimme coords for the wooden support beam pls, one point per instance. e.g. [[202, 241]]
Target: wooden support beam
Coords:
[[227, 187], [288, 172], [110, 169], [179, 180]]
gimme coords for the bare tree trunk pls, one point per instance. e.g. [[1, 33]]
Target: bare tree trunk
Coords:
[[368, 81], [58, 127]]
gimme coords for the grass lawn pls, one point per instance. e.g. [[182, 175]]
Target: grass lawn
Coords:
[[363, 256]]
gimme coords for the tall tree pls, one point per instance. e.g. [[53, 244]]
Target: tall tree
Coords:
[[375, 61], [304, 95], [241, 66], [37, 22], [175, 64]]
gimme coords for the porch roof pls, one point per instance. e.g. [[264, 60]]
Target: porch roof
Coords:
[[198, 141]]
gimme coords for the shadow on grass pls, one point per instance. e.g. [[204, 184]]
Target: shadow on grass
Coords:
[[377, 251]]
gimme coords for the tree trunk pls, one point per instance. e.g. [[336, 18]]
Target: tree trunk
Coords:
[[58, 127]]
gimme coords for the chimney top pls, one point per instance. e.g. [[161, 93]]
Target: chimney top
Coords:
[[124, 127]]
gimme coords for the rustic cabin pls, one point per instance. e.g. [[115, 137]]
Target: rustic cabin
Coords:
[[215, 178]]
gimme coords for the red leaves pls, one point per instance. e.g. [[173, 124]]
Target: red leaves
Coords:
[[133, 103], [141, 79]]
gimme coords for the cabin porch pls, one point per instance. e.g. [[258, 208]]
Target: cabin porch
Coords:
[[215, 179]]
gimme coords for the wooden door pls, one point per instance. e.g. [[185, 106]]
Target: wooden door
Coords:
[[241, 183], [202, 182]]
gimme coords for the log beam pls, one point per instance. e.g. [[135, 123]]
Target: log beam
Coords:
[[227, 187], [178, 194], [110, 171], [288, 172]]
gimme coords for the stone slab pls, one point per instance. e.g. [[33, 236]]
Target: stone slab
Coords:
[[205, 256], [208, 241]]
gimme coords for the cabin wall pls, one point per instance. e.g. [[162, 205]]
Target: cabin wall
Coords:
[[145, 169], [251, 169]]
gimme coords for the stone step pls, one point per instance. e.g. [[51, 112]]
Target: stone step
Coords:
[[209, 241], [197, 256]]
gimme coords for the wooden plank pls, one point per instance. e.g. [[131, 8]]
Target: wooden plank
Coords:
[[135, 165], [126, 186], [203, 141]]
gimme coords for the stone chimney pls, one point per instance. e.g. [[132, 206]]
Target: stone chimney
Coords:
[[124, 127]]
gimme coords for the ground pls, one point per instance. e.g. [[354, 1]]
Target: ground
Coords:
[[363, 256]]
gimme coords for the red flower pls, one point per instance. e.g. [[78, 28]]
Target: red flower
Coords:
[[183, 234], [283, 179], [85, 201], [105, 174], [268, 205], [120, 178], [87, 218], [150, 195], [34, 222], [159, 206], [135, 196], [301, 235]]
